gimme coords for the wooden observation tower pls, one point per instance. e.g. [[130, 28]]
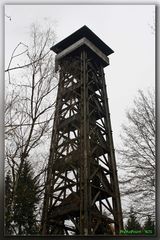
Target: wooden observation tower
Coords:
[[82, 193]]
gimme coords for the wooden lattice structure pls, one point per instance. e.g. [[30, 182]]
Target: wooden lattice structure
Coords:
[[82, 193]]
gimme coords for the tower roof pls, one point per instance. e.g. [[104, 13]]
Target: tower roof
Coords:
[[77, 35]]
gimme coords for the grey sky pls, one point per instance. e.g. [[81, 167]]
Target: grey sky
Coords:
[[125, 28]]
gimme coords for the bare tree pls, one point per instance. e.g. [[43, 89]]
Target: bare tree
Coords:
[[29, 108], [138, 155]]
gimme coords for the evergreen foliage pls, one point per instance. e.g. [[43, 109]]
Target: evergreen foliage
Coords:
[[8, 203], [26, 200], [20, 206], [149, 225], [132, 223]]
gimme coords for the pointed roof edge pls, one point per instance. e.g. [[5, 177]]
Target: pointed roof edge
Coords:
[[80, 33]]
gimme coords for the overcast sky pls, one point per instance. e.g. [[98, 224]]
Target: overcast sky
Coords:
[[125, 28]]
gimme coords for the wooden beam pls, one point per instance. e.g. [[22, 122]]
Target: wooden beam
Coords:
[[81, 42]]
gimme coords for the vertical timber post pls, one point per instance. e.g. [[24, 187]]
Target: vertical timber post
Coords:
[[114, 179], [84, 169]]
